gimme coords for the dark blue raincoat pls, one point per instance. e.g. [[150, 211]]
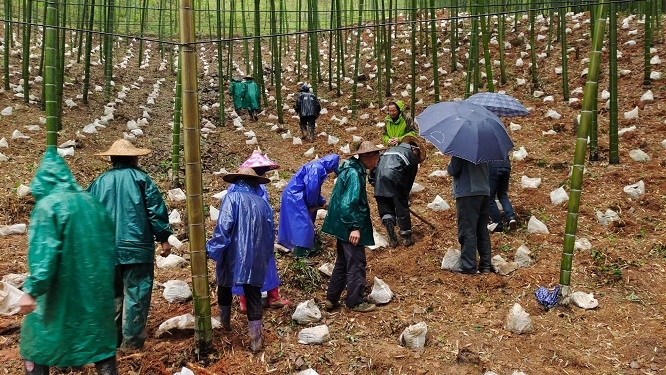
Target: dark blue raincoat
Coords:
[[242, 243], [272, 280], [302, 193]]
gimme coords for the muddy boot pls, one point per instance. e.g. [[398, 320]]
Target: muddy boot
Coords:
[[241, 302], [407, 238], [225, 318], [311, 137], [108, 366], [256, 339], [393, 240], [274, 299], [304, 132]]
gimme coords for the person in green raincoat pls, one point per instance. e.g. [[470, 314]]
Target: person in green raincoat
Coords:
[[68, 296], [237, 91], [251, 98], [398, 124], [141, 218], [348, 220]]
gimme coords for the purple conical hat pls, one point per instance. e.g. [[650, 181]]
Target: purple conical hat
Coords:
[[258, 160]]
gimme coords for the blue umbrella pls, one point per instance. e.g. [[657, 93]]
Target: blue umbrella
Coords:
[[499, 104], [465, 130]]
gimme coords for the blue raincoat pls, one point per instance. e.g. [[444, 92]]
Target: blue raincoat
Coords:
[[242, 243], [272, 280], [302, 193]]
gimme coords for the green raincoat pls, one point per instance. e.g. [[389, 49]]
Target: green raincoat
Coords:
[[398, 128], [237, 90], [71, 259], [132, 198], [251, 97], [348, 207]]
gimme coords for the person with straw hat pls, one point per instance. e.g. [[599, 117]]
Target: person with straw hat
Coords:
[[261, 164], [242, 246], [348, 220], [393, 179], [141, 219]]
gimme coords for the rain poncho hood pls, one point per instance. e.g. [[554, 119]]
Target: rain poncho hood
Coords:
[[303, 193], [395, 172], [397, 128], [137, 206], [71, 269], [242, 243], [348, 208]]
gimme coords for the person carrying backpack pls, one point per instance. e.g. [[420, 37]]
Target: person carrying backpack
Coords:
[[308, 108]]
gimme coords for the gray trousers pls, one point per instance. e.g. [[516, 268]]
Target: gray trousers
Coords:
[[473, 236], [349, 272]]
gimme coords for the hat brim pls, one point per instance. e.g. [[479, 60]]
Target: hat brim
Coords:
[[135, 152], [420, 144], [366, 151], [232, 177]]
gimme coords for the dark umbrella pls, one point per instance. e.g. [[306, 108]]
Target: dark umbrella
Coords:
[[465, 130], [499, 104]]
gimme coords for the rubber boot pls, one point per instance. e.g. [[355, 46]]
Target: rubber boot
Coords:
[[311, 135], [241, 301], [256, 338], [393, 240], [407, 238], [225, 318], [107, 366], [274, 299]]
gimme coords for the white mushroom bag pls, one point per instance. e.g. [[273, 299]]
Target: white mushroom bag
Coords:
[[414, 336], [381, 293], [9, 299]]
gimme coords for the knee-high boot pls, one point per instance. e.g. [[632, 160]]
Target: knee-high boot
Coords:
[[256, 337], [225, 318]]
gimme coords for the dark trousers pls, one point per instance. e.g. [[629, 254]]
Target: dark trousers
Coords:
[[252, 300], [308, 123], [134, 288], [397, 211], [472, 214], [349, 272], [499, 187], [107, 366]]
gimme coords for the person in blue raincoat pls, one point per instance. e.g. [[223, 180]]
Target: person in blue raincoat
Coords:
[[242, 246], [68, 295], [141, 218], [261, 165], [300, 200]]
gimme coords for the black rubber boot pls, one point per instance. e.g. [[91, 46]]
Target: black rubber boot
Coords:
[[107, 366], [225, 318], [407, 238], [393, 239]]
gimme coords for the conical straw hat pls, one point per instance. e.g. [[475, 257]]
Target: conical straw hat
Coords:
[[366, 147], [419, 143], [259, 160], [246, 173], [123, 147]]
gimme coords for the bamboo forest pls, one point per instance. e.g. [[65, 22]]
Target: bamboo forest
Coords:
[[573, 286]]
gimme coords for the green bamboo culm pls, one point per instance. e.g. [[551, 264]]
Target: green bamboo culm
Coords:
[[533, 68], [387, 58], [88, 47], [50, 72], [220, 66], [562, 29], [589, 97], [433, 42], [357, 58], [453, 25], [501, 25], [8, 37], [175, 132], [413, 25], [142, 23], [485, 39], [108, 48], [203, 330], [27, 18], [613, 147], [277, 57], [647, 44]]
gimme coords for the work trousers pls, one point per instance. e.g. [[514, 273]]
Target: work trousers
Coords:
[[252, 300], [473, 236], [349, 272]]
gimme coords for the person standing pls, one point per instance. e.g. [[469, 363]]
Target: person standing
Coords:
[[261, 164], [141, 219], [301, 199], [308, 108], [251, 98], [68, 295], [237, 91], [393, 179], [471, 191], [348, 220], [242, 246], [398, 124], [499, 176]]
